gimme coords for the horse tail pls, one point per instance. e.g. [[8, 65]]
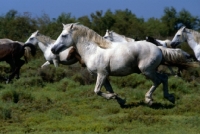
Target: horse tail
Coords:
[[177, 57], [29, 49]]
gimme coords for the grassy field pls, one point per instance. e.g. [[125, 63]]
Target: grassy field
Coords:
[[62, 100]]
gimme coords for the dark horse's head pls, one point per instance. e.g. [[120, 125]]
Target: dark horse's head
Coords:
[[152, 40]]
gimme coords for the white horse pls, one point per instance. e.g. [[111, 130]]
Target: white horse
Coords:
[[106, 58], [191, 37], [45, 43], [115, 37]]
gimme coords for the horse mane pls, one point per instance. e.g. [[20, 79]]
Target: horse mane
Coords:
[[45, 39], [195, 34], [89, 34]]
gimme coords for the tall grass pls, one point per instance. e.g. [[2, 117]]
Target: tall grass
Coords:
[[61, 100]]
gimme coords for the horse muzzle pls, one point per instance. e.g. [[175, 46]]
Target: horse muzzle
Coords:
[[56, 49]]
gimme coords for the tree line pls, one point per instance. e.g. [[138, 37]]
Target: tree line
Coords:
[[16, 26]]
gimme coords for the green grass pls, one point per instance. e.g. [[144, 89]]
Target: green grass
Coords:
[[61, 100]]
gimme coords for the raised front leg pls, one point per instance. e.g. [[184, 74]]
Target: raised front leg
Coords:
[[102, 80]]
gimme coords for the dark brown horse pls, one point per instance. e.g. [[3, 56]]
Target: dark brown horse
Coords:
[[12, 53]]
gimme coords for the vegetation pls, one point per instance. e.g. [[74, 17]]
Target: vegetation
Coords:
[[61, 100]]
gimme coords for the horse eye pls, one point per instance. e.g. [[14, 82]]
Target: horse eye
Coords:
[[64, 36], [31, 38]]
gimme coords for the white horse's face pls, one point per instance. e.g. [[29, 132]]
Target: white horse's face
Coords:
[[108, 35], [178, 38], [32, 39], [64, 40]]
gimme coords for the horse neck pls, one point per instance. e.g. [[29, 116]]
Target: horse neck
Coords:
[[118, 38], [163, 43], [42, 46], [192, 37]]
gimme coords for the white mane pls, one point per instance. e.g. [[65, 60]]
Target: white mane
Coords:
[[89, 34], [44, 39], [195, 34]]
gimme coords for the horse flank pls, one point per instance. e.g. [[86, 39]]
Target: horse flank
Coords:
[[195, 34], [91, 35]]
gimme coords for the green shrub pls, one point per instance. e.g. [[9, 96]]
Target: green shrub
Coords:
[[5, 113], [16, 96]]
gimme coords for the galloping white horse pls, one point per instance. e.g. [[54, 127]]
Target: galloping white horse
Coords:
[[106, 58], [115, 37], [45, 43], [191, 37]]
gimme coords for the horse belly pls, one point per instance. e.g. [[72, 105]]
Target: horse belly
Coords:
[[123, 67]]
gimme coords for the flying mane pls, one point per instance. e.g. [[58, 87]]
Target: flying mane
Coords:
[[195, 34], [90, 35]]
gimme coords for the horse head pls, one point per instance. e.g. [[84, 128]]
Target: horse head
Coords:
[[64, 40], [178, 38], [33, 38]]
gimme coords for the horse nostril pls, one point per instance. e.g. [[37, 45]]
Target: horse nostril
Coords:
[[53, 50]]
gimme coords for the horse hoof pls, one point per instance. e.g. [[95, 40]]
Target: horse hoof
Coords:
[[171, 98], [114, 96], [121, 101], [148, 101]]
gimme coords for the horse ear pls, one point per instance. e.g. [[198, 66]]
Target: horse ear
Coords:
[[183, 27], [72, 27]]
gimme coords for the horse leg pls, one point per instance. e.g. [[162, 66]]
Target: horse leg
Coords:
[[19, 65], [164, 79], [12, 65], [179, 71], [55, 62], [101, 80], [171, 70], [45, 64], [156, 82], [108, 86]]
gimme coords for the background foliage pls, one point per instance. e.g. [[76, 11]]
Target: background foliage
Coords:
[[61, 100]]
